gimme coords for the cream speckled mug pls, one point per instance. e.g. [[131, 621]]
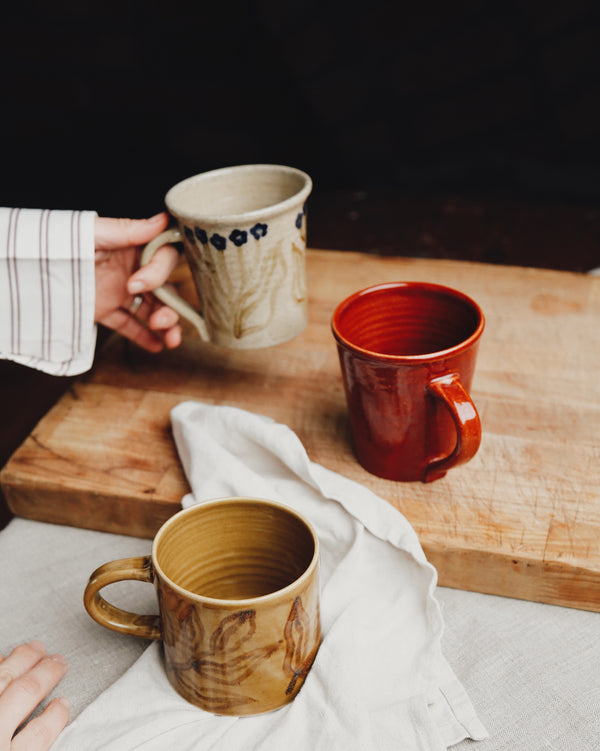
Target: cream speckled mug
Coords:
[[244, 236]]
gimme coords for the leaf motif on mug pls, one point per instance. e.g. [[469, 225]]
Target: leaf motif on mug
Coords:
[[241, 280], [186, 628], [299, 655], [226, 661], [299, 280], [231, 671], [238, 627], [274, 270]]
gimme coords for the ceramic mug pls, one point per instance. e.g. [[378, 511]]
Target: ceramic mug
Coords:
[[407, 352], [243, 231], [237, 581]]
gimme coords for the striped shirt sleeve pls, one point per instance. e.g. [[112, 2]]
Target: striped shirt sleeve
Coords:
[[47, 289]]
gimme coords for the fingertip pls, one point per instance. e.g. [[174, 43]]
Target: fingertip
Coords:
[[157, 223], [113, 232], [157, 271], [173, 337], [64, 702], [59, 659], [163, 319], [135, 285]]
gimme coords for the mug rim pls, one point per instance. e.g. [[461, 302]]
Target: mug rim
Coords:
[[246, 216], [406, 359], [226, 603]]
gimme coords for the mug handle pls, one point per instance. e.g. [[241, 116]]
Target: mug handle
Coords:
[[168, 296], [138, 568], [453, 394]]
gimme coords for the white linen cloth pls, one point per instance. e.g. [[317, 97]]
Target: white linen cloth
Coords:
[[379, 680], [47, 289]]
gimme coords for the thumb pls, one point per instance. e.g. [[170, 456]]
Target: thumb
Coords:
[[120, 233]]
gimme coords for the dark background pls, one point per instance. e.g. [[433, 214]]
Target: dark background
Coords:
[[458, 110]]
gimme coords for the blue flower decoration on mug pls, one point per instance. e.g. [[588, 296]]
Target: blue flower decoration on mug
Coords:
[[218, 241], [201, 235], [300, 217], [239, 237], [259, 230]]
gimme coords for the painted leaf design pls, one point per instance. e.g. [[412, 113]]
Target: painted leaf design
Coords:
[[298, 653], [234, 303], [233, 631], [189, 629], [250, 299], [228, 662], [234, 670], [298, 281]]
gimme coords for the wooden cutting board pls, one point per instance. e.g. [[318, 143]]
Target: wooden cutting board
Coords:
[[521, 519]]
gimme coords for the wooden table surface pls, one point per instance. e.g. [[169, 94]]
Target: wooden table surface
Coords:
[[522, 519]]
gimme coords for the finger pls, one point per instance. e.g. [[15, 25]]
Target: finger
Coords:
[[120, 233], [19, 661], [154, 273], [162, 318], [126, 325], [172, 337], [41, 732], [24, 693], [152, 313]]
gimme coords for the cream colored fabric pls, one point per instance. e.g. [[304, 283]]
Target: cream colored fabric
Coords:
[[379, 680]]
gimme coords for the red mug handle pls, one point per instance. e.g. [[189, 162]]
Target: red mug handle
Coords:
[[452, 393]]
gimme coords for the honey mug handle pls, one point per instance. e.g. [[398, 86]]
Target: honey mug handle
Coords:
[[138, 568], [168, 296]]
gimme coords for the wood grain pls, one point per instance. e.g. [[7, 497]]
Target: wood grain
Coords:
[[522, 519]]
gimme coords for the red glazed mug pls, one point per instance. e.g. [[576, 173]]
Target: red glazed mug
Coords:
[[407, 353]]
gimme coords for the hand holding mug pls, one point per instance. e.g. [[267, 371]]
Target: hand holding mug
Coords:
[[124, 301]]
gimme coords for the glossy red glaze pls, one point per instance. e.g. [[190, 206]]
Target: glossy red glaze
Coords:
[[407, 353]]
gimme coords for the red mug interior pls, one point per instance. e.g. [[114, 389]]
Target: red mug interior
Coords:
[[407, 319]]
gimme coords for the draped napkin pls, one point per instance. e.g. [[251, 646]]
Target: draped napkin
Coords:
[[379, 680]]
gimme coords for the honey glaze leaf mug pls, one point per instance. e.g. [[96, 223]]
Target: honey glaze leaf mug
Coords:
[[237, 583], [407, 353], [243, 231]]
